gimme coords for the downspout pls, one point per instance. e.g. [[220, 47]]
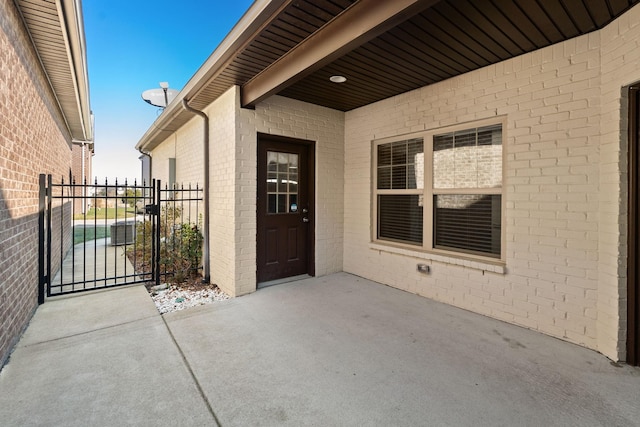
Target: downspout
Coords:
[[206, 262], [84, 181], [83, 171], [150, 165]]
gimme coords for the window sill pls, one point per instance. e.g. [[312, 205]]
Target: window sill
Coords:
[[496, 266]]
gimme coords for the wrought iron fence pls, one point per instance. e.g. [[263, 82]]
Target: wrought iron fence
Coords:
[[101, 235]]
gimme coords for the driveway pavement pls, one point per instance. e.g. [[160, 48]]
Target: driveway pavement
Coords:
[[331, 351]]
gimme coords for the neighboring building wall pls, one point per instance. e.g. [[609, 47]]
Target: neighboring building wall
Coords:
[[145, 166], [82, 156], [31, 142], [565, 210], [186, 146]]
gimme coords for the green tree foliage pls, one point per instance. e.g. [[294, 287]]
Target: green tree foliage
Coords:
[[131, 196]]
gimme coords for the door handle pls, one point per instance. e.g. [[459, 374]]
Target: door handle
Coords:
[[305, 219]]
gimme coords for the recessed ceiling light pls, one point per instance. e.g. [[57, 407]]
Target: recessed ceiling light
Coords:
[[338, 79]]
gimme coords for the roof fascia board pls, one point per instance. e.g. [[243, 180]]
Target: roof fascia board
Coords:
[[255, 19], [360, 23]]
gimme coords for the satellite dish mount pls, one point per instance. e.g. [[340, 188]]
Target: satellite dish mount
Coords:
[[161, 97]]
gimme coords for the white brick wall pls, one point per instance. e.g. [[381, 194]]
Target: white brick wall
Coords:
[[620, 43], [564, 184], [186, 146], [295, 119], [222, 207], [564, 208], [233, 169]]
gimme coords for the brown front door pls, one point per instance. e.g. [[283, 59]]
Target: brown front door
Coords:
[[285, 208]]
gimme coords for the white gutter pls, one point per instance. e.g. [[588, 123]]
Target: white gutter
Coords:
[[72, 26]]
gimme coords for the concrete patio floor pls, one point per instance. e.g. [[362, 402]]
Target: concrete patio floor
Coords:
[[330, 351]]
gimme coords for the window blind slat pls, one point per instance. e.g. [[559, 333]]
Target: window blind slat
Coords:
[[468, 222], [400, 218]]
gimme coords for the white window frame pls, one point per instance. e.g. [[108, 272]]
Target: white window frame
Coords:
[[428, 192]]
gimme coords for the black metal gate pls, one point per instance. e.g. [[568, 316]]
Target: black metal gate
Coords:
[[95, 236]]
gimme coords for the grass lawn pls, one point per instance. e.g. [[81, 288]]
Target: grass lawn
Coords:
[[107, 213], [85, 234]]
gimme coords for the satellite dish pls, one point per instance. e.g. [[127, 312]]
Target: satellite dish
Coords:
[[157, 96]]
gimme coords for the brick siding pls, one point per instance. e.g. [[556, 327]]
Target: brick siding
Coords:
[[564, 185], [233, 166], [32, 141], [294, 119], [564, 203]]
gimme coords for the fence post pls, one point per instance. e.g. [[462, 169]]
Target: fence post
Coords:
[[41, 230], [48, 228], [156, 229]]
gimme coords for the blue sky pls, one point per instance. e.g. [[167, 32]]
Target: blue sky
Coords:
[[133, 45]]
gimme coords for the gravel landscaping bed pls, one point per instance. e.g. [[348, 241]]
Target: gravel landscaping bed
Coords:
[[170, 298]]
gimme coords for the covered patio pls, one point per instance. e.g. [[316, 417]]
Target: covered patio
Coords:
[[334, 350]]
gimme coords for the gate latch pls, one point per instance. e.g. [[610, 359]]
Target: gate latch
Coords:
[[151, 209]]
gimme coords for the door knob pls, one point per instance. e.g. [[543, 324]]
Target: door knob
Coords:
[[305, 219]]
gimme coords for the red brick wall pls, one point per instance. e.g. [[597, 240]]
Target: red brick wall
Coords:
[[33, 140]]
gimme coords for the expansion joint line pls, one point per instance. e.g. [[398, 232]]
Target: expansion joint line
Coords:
[[193, 376]]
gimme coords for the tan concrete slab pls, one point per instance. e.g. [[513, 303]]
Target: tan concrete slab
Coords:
[[331, 351], [99, 359], [69, 315], [344, 351]]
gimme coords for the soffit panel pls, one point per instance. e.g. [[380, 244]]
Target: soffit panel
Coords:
[[449, 39], [295, 23], [44, 25]]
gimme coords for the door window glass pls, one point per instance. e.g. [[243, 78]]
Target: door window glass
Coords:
[[282, 182]]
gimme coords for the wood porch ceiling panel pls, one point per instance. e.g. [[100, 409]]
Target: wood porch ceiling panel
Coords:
[[297, 22], [451, 38]]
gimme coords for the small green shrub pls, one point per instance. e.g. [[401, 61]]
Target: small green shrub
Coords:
[[180, 246], [182, 251]]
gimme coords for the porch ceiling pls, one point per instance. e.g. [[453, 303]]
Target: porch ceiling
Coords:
[[450, 38], [382, 48]]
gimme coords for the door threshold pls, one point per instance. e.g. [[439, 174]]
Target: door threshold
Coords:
[[283, 280]]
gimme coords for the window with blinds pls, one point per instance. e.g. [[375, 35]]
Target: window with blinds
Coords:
[[400, 179], [441, 191], [467, 222], [400, 218], [467, 190]]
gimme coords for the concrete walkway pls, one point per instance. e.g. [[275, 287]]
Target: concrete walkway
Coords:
[[332, 351], [93, 264]]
